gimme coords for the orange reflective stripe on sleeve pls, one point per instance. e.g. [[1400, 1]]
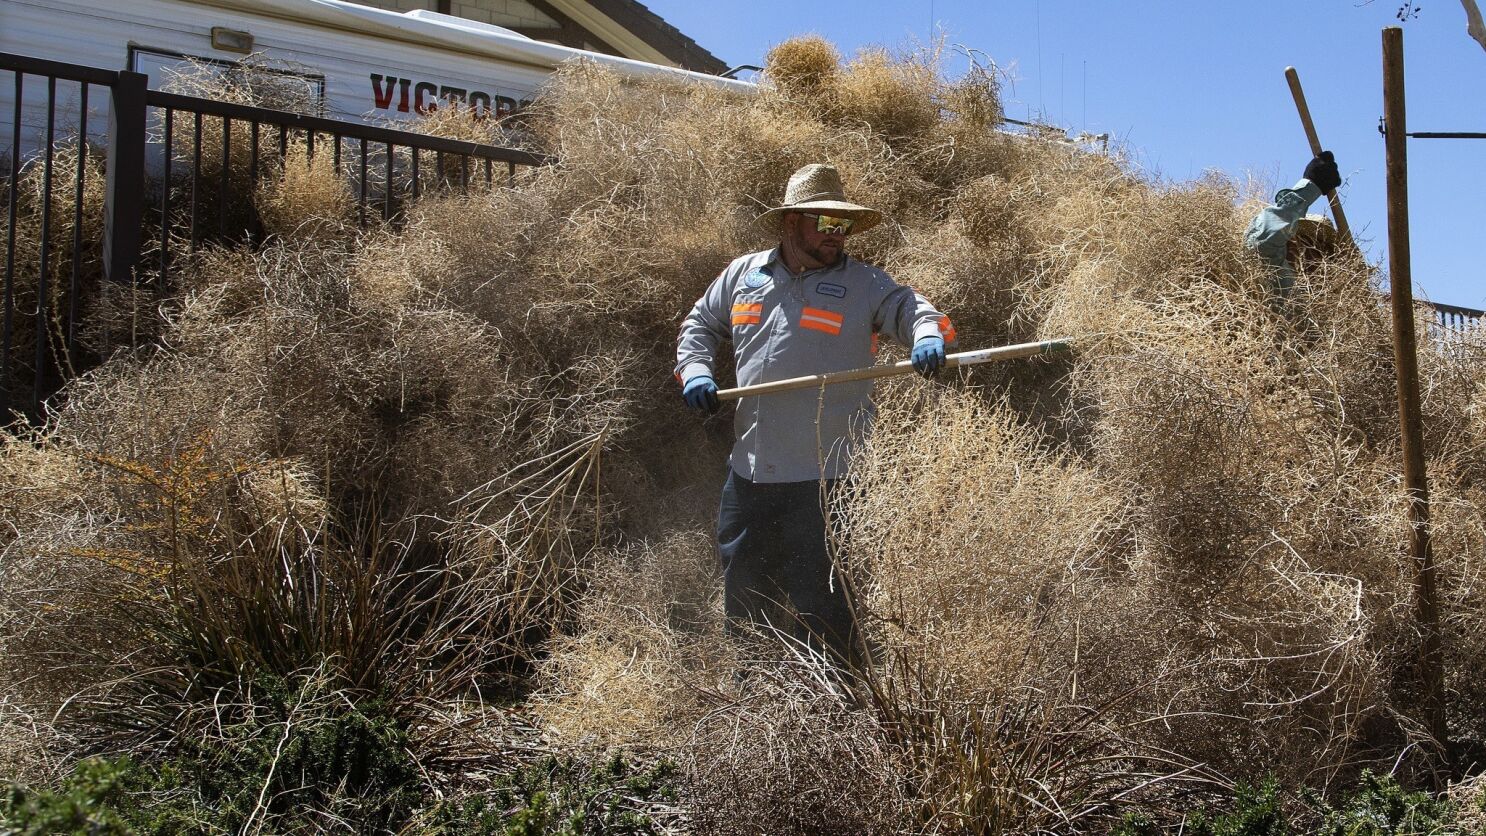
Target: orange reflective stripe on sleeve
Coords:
[[748, 313], [947, 329], [821, 320]]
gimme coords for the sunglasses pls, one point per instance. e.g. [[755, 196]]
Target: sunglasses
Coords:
[[826, 224]]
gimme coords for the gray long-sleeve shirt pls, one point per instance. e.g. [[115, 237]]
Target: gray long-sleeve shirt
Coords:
[[784, 325]]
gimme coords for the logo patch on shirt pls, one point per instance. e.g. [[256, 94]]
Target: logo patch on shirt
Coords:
[[756, 278], [829, 289]]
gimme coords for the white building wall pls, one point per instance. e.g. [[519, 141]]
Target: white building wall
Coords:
[[499, 12]]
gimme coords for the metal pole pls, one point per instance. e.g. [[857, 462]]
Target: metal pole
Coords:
[[1447, 135], [124, 203], [1431, 663]]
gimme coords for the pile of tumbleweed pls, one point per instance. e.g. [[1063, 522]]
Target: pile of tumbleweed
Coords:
[[443, 466]]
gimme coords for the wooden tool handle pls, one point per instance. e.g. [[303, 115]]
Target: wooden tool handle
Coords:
[[1305, 112], [1342, 227], [963, 358]]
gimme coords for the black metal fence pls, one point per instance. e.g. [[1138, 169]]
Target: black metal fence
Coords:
[[109, 181], [1452, 321], [44, 265]]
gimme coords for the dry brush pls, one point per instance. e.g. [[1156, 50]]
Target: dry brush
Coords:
[[1170, 564]]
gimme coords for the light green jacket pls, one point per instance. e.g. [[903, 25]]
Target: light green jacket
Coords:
[[1272, 228]]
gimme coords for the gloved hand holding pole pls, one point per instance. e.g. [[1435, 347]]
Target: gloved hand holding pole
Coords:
[[1315, 141], [962, 358]]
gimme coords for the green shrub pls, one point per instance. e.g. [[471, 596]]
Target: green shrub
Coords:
[[1380, 806], [291, 758], [1137, 823], [564, 797], [1383, 807], [1256, 812], [86, 802], [305, 753]]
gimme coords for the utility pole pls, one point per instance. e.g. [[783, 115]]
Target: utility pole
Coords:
[[1406, 363]]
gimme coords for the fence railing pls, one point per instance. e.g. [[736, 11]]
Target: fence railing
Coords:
[[368, 155], [37, 331], [108, 181], [1453, 320]]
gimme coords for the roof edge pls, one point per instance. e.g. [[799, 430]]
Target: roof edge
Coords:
[[631, 24]]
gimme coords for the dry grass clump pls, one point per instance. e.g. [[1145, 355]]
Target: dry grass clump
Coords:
[[896, 97], [223, 582], [53, 520], [973, 263], [1159, 239], [255, 80], [465, 123], [804, 70], [28, 745], [453, 172], [357, 387], [791, 756], [989, 211], [996, 580], [646, 649], [627, 182], [974, 100], [1262, 530], [1459, 537], [308, 196], [1469, 798], [212, 157], [1012, 526]]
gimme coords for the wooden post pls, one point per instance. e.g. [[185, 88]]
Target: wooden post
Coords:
[[1298, 93], [1431, 662]]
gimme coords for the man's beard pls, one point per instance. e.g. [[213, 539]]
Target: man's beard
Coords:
[[822, 254]]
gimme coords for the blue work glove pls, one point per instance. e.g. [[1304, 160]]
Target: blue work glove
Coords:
[[1322, 171], [701, 394], [928, 356]]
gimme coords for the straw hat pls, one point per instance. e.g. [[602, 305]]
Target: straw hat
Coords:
[[817, 188], [1315, 231]]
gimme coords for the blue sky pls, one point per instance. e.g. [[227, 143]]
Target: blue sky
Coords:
[[1192, 86]]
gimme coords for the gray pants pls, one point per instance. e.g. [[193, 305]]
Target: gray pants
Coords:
[[771, 538]]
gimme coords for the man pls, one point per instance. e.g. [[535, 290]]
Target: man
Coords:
[[803, 307], [1273, 230]]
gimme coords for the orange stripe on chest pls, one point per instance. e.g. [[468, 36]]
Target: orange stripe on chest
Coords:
[[821, 320], [816, 325], [817, 313]]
